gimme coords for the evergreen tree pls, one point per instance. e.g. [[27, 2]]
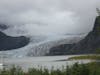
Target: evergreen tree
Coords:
[[98, 11]]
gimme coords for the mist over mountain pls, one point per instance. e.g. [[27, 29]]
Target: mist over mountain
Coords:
[[88, 45], [3, 27], [48, 17], [46, 22]]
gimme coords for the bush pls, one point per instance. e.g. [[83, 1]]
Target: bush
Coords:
[[76, 69]]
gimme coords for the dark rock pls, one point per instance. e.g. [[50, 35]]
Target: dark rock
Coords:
[[91, 42], [87, 45], [60, 50], [8, 42], [3, 26]]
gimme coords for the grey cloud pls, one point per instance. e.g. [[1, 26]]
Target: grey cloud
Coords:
[[49, 17]]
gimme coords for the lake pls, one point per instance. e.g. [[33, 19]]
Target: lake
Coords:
[[43, 61]]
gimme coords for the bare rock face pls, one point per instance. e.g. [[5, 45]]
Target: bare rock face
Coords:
[[86, 46], [3, 26], [9, 43], [92, 41], [60, 50]]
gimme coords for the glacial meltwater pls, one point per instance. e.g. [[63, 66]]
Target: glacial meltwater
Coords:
[[49, 62]]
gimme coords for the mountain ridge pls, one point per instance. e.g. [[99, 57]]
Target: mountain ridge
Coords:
[[87, 45], [10, 43]]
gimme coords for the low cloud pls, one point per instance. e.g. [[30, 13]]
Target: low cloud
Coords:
[[48, 17]]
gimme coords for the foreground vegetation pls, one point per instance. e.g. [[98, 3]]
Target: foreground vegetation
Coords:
[[92, 57], [76, 69]]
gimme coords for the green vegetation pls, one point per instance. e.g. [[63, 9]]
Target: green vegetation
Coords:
[[98, 51], [76, 69], [92, 57]]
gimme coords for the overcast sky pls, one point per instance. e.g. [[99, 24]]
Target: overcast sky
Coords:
[[49, 17]]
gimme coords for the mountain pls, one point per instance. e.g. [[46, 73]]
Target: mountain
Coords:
[[9, 42], [60, 50], [3, 26], [87, 45]]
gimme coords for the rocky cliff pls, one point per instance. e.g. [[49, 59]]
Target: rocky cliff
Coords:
[[87, 45], [9, 43], [3, 26]]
